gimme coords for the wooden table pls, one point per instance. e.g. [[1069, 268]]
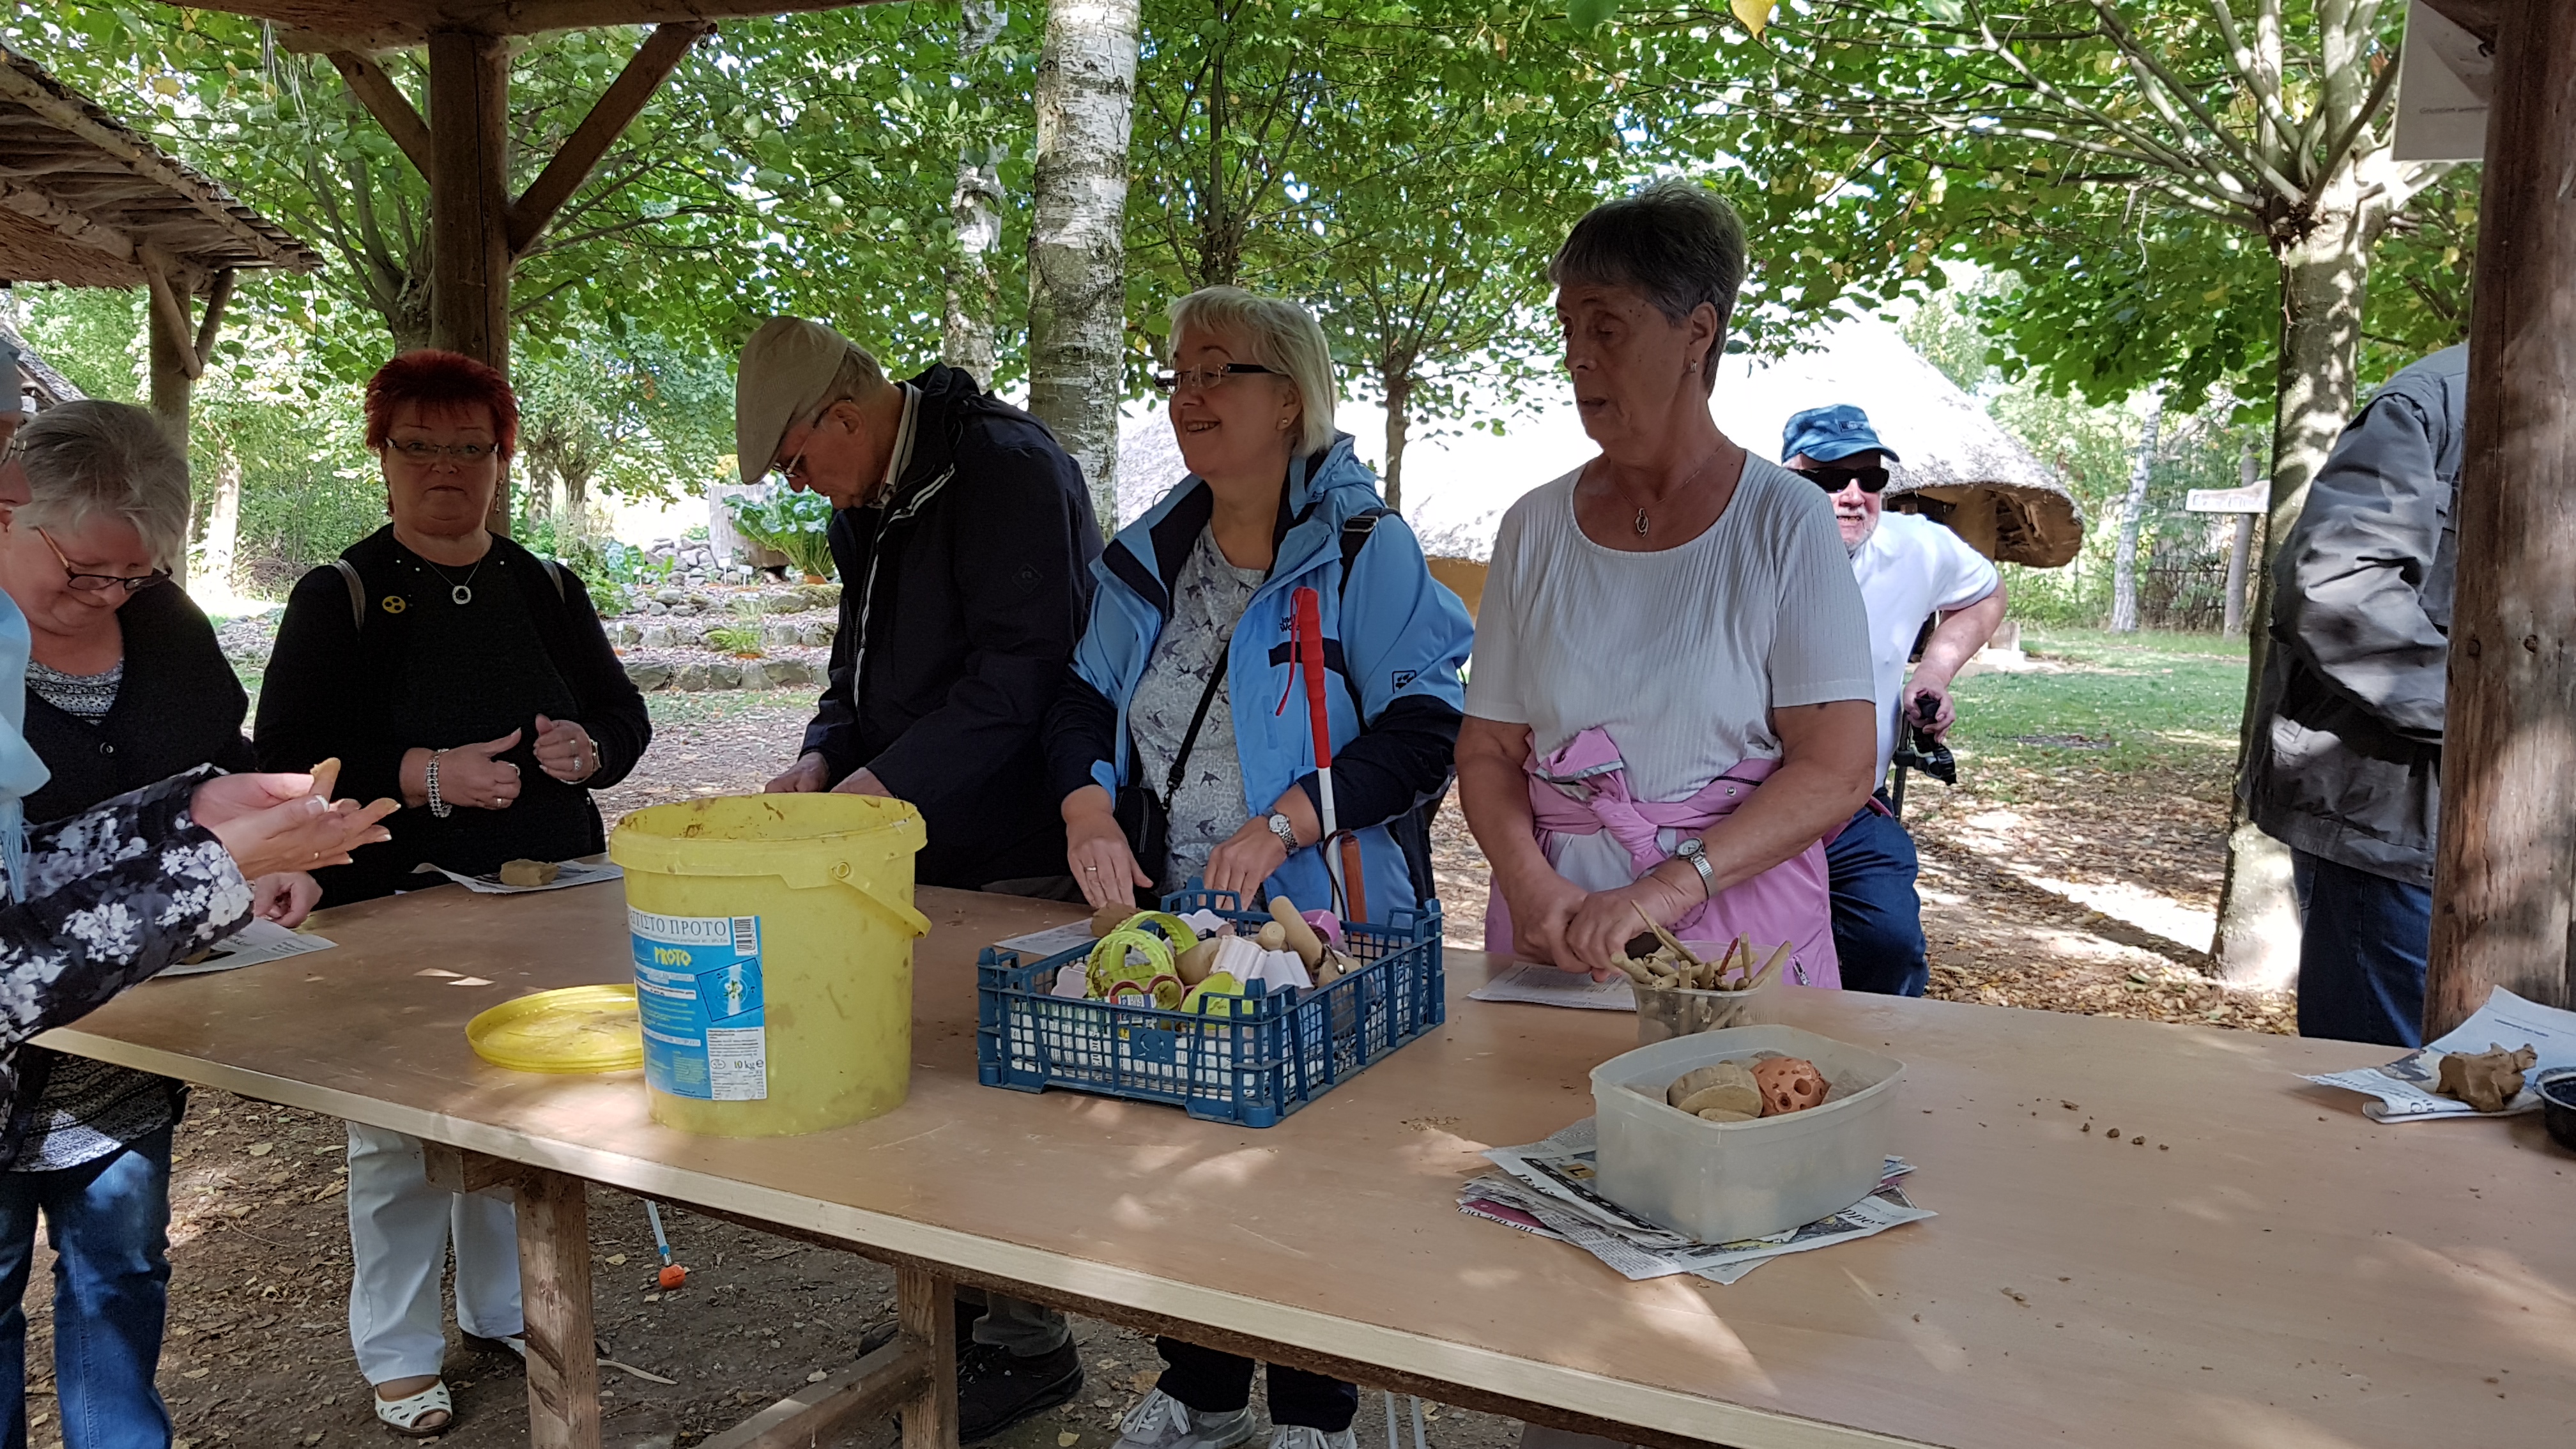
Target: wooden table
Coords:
[[2272, 1270]]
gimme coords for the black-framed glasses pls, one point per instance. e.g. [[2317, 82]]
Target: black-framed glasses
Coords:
[[428, 455], [101, 583], [1209, 378], [1835, 480]]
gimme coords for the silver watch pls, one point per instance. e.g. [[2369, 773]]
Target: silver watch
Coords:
[[1697, 854], [1286, 830]]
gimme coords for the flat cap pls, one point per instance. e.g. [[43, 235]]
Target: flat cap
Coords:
[[786, 373]]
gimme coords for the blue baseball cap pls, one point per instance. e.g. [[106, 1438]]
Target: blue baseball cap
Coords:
[[1831, 433]]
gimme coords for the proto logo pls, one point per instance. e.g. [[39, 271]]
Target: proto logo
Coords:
[[670, 956]]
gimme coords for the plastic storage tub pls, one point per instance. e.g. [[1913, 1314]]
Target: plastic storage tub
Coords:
[[1271, 1055], [1721, 1182]]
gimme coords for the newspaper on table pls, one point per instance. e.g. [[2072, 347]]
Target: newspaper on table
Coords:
[[252, 944], [1547, 986], [1036, 946], [1546, 1189], [2404, 1087], [568, 874]]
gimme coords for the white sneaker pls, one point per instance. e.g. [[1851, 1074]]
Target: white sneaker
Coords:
[[1160, 1421], [1298, 1436]]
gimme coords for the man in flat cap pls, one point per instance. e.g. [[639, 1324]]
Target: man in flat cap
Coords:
[[1910, 571], [964, 537]]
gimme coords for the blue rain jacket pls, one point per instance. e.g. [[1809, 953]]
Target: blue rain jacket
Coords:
[[1394, 641]]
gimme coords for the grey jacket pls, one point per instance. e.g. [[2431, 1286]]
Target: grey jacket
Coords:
[[2346, 759]]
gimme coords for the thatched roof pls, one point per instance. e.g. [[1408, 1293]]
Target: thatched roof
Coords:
[[1958, 465], [82, 196], [52, 388]]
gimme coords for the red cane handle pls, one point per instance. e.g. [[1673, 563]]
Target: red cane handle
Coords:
[[1310, 662]]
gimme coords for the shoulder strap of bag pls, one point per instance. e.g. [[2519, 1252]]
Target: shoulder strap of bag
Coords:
[[555, 576], [1181, 757], [1355, 536], [357, 593]]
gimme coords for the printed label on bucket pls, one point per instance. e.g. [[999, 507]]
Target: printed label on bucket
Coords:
[[697, 987]]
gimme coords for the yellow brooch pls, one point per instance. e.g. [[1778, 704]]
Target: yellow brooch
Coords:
[[394, 604]]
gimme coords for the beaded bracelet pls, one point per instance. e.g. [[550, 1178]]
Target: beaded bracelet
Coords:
[[437, 807]]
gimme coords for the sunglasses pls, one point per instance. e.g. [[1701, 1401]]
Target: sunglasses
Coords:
[[1835, 480]]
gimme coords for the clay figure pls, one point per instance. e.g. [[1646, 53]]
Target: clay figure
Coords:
[[2485, 1080], [1788, 1084], [529, 872], [1723, 1086]]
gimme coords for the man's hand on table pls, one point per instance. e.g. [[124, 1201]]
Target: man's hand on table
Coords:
[[808, 776], [863, 782]]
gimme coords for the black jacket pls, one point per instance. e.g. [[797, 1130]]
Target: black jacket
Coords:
[[2346, 758], [178, 706], [333, 692], [961, 599]]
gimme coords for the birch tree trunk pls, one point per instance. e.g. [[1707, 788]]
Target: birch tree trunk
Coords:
[[966, 338], [1397, 382], [223, 523], [1086, 89], [2133, 515]]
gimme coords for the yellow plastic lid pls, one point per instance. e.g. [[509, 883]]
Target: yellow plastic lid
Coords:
[[577, 1029]]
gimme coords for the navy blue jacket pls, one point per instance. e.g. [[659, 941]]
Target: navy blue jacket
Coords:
[[961, 599]]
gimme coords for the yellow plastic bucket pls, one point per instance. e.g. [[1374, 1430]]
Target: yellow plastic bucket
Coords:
[[772, 939]]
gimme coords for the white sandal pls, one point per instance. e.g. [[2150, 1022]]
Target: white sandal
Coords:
[[403, 1416]]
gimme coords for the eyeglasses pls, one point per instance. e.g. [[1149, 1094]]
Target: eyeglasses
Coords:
[[427, 455], [1835, 480], [100, 583], [1209, 378], [788, 475]]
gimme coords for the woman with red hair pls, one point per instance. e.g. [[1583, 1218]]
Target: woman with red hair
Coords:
[[446, 665]]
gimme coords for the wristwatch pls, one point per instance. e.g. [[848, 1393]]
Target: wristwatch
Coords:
[[1286, 830], [1697, 854]]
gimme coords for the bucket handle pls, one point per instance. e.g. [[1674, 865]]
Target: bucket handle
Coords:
[[841, 872]]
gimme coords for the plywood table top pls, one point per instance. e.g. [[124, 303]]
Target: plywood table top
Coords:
[[2272, 1270]]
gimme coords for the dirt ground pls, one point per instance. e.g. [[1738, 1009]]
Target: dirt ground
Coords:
[[2041, 892]]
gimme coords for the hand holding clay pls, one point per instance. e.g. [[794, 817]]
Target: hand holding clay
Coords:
[[274, 823]]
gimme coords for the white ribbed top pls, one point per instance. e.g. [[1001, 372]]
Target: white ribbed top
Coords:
[[1680, 654]]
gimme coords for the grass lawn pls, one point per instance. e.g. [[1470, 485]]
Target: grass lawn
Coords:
[[2118, 702]]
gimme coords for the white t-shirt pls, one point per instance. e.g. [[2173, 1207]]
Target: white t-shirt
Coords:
[[1907, 569], [1679, 654]]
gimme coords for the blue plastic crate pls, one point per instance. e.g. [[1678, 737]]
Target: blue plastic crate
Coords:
[[1274, 1054]]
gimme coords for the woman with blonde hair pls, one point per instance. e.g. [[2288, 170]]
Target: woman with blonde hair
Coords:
[[1168, 750]]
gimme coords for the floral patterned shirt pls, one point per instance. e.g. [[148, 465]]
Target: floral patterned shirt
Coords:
[[112, 897]]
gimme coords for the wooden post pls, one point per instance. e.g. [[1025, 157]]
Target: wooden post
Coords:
[[469, 206], [554, 1293], [926, 1310], [2507, 854]]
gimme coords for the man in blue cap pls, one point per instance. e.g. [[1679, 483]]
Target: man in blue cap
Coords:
[[1909, 569]]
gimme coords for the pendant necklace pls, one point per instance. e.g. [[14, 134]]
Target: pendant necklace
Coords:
[[464, 595], [1687, 479]]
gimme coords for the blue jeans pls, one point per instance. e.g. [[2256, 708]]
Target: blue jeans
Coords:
[[2363, 949], [108, 1221], [1878, 919]]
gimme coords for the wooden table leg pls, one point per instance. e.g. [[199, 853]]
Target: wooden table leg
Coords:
[[554, 1291], [926, 1310]]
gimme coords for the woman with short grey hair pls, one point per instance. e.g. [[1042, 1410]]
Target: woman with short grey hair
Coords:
[[125, 689], [1670, 631]]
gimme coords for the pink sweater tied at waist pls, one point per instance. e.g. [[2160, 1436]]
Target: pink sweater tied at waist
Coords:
[[1582, 789]]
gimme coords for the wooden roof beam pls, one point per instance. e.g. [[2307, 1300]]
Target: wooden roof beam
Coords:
[[386, 102], [617, 108], [170, 287]]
